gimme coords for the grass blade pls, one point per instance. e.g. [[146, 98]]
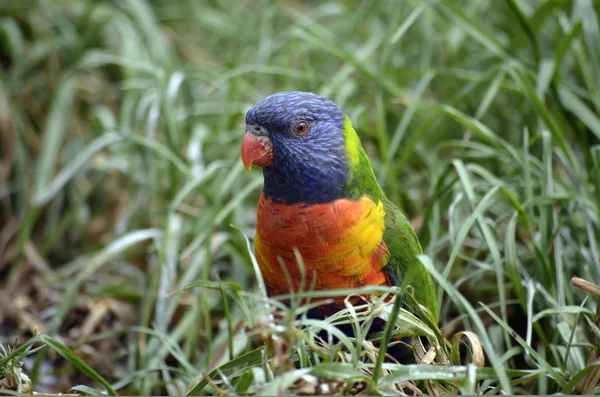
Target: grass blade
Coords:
[[77, 362]]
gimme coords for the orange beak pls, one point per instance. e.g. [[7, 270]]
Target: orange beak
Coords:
[[256, 150]]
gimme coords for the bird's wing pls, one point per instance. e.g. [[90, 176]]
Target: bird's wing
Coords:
[[404, 246]]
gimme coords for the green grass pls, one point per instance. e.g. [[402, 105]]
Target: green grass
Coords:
[[124, 206]]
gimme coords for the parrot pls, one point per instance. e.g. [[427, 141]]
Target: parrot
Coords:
[[321, 200]]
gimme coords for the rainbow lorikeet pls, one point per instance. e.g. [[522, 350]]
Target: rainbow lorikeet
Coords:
[[322, 199]]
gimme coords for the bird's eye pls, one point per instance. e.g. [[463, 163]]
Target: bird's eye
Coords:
[[301, 128]]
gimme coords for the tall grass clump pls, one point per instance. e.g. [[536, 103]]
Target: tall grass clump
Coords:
[[127, 218]]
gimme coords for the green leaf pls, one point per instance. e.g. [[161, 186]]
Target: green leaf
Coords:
[[541, 110], [336, 371], [591, 369], [562, 310], [386, 338], [114, 248], [250, 358], [586, 10], [244, 382], [580, 109], [81, 160], [563, 46], [534, 354], [77, 362], [85, 391], [56, 124], [283, 382], [527, 27], [473, 28], [414, 372], [480, 328]]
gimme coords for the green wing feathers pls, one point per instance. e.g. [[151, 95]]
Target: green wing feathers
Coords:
[[399, 235], [404, 246]]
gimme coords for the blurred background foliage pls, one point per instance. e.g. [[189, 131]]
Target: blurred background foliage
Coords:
[[120, 126]]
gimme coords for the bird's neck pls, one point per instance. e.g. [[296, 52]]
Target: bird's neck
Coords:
[[362, 180]]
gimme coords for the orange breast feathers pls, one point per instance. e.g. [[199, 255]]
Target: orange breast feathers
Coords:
[[341, 244]]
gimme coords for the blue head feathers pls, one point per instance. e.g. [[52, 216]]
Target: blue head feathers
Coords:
[[309, 165]]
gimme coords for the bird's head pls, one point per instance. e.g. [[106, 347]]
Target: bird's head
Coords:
[[305, 144]]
